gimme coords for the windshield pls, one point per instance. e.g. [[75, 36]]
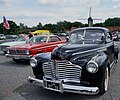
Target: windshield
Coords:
[[87, 36], [76, 36], [38, 39], [20, 38]]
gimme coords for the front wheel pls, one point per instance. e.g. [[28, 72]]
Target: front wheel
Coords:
[[38, 71], [104, 84]]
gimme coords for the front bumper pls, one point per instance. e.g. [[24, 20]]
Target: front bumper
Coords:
[[26, 57], [66, 87]]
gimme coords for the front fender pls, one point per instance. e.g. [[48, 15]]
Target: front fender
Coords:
[[43, 57], [102, 60]]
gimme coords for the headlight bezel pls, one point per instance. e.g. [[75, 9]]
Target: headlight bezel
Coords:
[[27, 52], [92, 67], [8, 51], [33, 62]]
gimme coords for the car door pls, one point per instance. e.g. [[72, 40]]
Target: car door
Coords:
[[53, 42], [110, 46]]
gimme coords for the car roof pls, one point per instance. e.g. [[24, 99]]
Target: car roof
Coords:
[[45, 35], [92, 28]]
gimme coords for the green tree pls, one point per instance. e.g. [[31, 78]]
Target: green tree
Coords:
[[112, 22], [13, 28], [39, 26], [76, 24]]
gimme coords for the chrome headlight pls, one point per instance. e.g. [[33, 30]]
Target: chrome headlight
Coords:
[[92, 67], [33, 62], [27, 52], [8, 51]]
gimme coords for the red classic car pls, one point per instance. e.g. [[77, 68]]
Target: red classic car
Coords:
[[38, 44]]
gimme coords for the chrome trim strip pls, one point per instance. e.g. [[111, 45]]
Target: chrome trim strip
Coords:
[[88, 51], [66, 81], [45, 47], [19, 56], [109, 44], [68, 88], [34, 80], [81, 89], [112, 66]]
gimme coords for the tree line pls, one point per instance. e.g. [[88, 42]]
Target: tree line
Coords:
[[62, 26]]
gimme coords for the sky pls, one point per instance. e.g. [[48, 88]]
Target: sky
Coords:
[[33, 12]]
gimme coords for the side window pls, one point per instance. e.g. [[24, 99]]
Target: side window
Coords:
[[108, 37], [53, 39]]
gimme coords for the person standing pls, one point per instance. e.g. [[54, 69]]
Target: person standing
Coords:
[[30, 35]]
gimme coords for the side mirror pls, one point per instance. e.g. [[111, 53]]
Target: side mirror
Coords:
[[103, 38], [67, 38]]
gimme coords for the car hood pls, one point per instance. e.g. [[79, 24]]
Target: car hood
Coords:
[[12, 43], [28, 46], [73, 52]]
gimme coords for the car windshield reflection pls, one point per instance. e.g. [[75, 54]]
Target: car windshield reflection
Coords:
[[38, 39], [88, 36], [20, 38]]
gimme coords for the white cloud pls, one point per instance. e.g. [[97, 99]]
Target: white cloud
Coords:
[[10, 3], [44, 2], [116, 6], [116, 0], [26, 16], [67, 2], [2, 2], [90, 2], [52, 11]]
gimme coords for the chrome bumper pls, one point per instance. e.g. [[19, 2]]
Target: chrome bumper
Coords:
[[68, 88], [18, 56]]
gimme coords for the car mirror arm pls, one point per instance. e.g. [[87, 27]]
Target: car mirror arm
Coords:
[[67, 38]]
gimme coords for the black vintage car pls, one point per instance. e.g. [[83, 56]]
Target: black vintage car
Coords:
[[83, 65]]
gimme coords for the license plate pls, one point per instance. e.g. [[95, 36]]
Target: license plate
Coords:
[[52, 85]]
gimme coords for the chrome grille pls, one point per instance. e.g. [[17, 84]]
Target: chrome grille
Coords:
[[17, 51], [61, 69], [3, 48]]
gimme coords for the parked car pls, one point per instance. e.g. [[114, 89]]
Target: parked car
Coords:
[[83, 65], [62, 35], [21, 39], [37, 44], [10, 38], [116, 36], [2, 38]]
